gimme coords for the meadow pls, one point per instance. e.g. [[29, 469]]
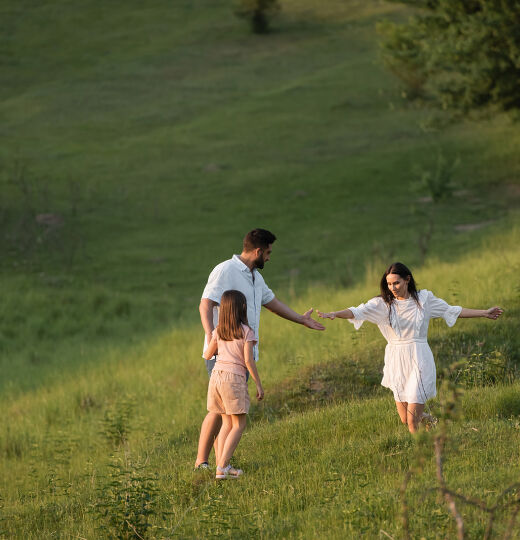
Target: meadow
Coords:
[[153, 136]]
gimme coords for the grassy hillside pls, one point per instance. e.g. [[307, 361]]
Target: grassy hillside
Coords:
[[157, 144], [325, 452], [156, 135]]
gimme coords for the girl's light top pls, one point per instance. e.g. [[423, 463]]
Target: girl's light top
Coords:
[[230, 356], [409, 367]]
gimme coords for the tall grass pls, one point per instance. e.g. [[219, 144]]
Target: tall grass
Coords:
[[334, 467]]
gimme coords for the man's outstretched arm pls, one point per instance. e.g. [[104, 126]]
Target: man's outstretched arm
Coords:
[[287, 313]]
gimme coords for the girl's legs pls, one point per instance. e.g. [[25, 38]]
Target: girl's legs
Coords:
[[208, 437], [234, 424], [222, 435]]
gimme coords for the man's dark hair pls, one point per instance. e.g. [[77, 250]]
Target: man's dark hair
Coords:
[[258, 238]]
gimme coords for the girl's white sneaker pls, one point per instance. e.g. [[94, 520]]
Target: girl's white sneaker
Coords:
[[228, 473]]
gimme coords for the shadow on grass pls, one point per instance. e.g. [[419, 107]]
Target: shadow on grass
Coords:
[[320, 385]]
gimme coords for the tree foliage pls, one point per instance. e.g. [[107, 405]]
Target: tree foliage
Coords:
[[463, 53]]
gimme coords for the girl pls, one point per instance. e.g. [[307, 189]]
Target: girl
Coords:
[[402, 314], [227, 390]]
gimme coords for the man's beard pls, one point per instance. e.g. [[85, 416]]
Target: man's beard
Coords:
[[259, 262]]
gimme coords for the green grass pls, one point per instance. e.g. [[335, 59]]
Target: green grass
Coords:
[[161, 133], [315, 460]]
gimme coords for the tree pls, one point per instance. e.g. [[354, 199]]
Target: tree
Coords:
[[258, 12], [464, 54]]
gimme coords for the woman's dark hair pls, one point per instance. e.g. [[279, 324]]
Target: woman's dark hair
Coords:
[[403, 271], [258, 238], [232, 314]]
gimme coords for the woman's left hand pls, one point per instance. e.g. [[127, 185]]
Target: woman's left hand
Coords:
[[330, 316], [494, 312]]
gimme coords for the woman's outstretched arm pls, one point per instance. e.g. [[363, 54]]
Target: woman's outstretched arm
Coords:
[[344, 314], [491, 313]]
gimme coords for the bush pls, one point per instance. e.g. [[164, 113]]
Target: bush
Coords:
[[127, 501], [116, 421], [258, 12], [484, 369], [464, 54]]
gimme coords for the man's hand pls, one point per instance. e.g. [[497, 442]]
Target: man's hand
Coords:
[[494, 312], [287, 313], [309, 322], [259, 393]]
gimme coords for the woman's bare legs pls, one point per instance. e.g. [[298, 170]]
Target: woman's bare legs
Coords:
[[402, 409], [415, 411], [410, 414], [233, 426]]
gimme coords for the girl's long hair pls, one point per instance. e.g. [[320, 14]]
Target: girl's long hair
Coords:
[[232, 314], [403, 271]]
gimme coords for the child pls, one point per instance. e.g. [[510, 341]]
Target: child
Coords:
[[227, 390]]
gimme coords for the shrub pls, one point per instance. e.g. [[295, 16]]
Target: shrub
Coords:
[[438, 182], [484, 369], [116, 421]]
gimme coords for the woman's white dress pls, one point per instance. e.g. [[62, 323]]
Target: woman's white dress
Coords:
[[409, 367]]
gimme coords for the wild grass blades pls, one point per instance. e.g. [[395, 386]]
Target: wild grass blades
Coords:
[[3, 530], [220, 518], [14, 443]]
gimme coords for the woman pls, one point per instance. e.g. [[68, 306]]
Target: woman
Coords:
[[402, 314]]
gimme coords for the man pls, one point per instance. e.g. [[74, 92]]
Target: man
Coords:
[[241, 273]]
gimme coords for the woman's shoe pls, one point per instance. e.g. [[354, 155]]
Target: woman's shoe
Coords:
[[228, 473], [429, 421]]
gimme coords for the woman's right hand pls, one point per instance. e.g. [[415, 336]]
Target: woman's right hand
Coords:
[[494, 312], [259, 392], [330, 316]]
